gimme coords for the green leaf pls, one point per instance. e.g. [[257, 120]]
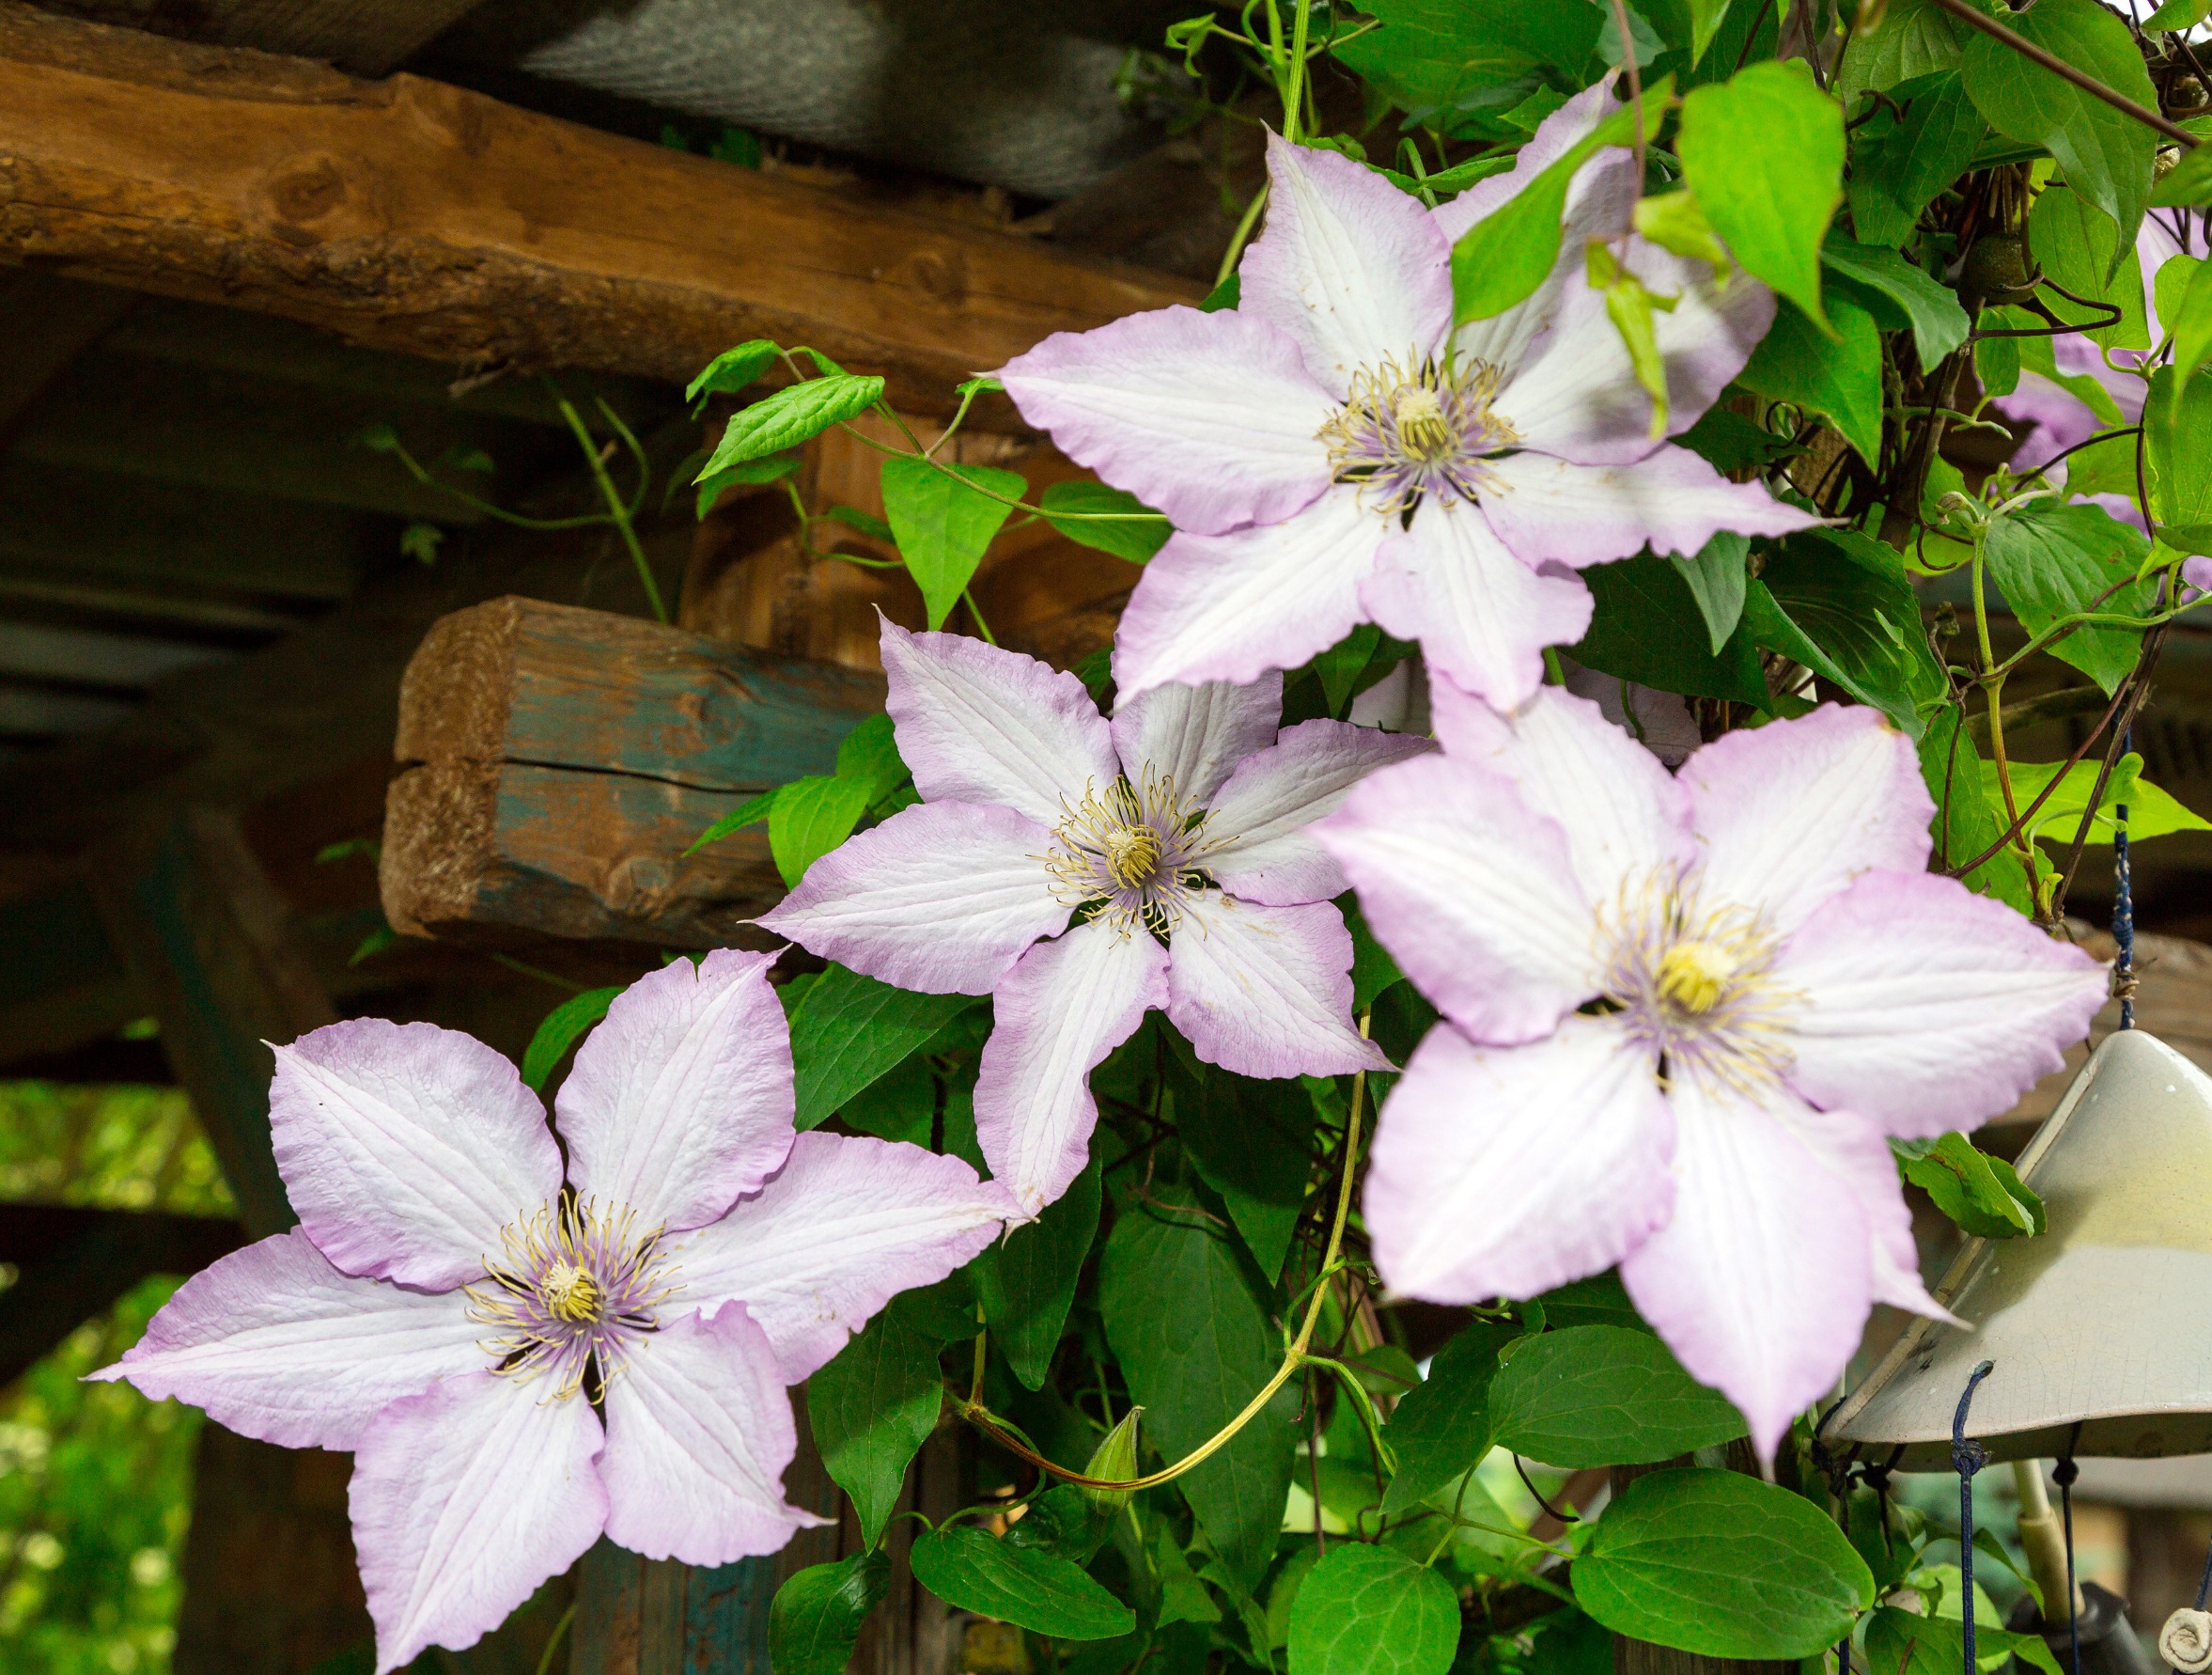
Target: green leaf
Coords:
[[1838, 602], [1371, 1610], [1841, 380], [1187, 1322], [1704, 22], [850, 1029], [1978, 1192], [1442, 1427], [789, 417], [1729, 442], [2052, 560], [1604, 1396], [1647, 626], [562, 1026], [1080, 511], [867, 523], [2190, 321], [2079, 247], [750, 812], [1502, 257], [733, 368], [1965, 824], [1717, 577], [1899, 167], [942, 525], [1918, 299], [1913, 37], [2177, 450], [1224, 295], [872, 1407], [2151, 812], [1675, 221], [1600, 1300], [2107, 156], [1024, 1586], [745, 471], [1338, 668], [1763, 151], [2178, 14], [1724, 1565], [2188, 183], [1250, 1140], [869, 753], [815, 1621], [1438, 58], [1902, 1642], [811, 817], [1182, 1597], [1027, 1283]]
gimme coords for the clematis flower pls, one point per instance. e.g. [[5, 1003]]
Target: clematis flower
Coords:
[[1333, 452], [519, 1365], [1177, 835], [1683, 1014]]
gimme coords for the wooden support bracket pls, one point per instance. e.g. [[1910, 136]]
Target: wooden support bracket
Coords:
[[557, 763]]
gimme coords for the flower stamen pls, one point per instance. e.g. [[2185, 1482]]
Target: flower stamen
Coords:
[[1402, 436], [1130, 853], [575, 1286]]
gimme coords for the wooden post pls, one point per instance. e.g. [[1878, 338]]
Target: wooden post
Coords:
[[557, 763]]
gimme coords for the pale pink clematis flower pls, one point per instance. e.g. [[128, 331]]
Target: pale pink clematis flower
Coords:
[[1683, 1014], [1333, 452], [457, 1317], [1179, 829]]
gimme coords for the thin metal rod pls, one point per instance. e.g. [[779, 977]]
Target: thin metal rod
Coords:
[[2059, 67]]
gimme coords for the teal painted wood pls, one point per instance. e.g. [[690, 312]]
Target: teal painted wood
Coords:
[[655, 1617], [725, 1618]]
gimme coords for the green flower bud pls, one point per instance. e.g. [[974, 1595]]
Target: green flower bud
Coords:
[[1115, 1458]]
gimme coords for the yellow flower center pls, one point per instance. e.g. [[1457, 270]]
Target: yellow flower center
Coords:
[[1131, 853], [1693, 976], [1422, 425], [570, 1293]]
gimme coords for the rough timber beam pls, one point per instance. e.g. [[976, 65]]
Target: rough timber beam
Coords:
[[415, 216]]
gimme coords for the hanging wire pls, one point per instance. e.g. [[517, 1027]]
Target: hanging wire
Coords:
[[1967, 1457], [2064, 1474], [2124, 910]]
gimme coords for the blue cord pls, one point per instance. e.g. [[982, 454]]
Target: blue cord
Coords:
[[1967, 1457], [2123, 906]]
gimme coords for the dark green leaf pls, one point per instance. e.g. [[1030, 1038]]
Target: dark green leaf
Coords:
[[900, 1104], [1224, 295], [2107, 156], [791, 417], [1095, 516], [1249, 1141], [1897, 167], [1763, 151], [2077, 246], [1913, 38], [1027, 1282], [745, 471], [562, 1026], [1370, 1610], [1648, 627], [1966, 825], [1980, 1193], [1919, 300], [1717, 577], [2052, 560], [1446, 56], [849, 1029], [1838, 602], [2177, 446], [1724, 1565], [1024, 1586], [1442, 1427], [750, 812], [811, 817], [1604, 1396], [1600, 1300], [871, 1407], [1338, 668], [733, 368], [1902, 1642], [1194, 1362], [815, 1621], [1064, 1521], [1373, 969], [943, 524], [1841, 380], [1729, 442]]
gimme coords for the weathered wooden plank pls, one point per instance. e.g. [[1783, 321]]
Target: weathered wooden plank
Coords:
[[557, 763], [416, 216], [209, 943], [74, 1263], [50, 322]]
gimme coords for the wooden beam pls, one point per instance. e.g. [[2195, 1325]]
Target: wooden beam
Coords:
[[368, 36], [557, 763], [209, 941], [416, 216], [61, 986], [50, 322], [72, 1264]]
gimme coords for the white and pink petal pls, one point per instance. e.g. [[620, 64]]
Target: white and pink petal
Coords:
[[1927, 1007], [681, 1098], [464, 1500], [1267, 991], [1505, 1172], [1060, 1011], [1259, 823], [1193, 737], [406, 1148], [1210, 419], [847, 1225], [1482, 617], [699, 1430], [275, 1343], [942, 897], [1550, 511], [976, 724]]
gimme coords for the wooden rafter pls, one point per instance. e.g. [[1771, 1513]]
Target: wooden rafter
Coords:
[[416, 216]]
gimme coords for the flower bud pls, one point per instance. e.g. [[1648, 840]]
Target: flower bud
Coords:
[[2185, 1641], [1115, 1458]]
